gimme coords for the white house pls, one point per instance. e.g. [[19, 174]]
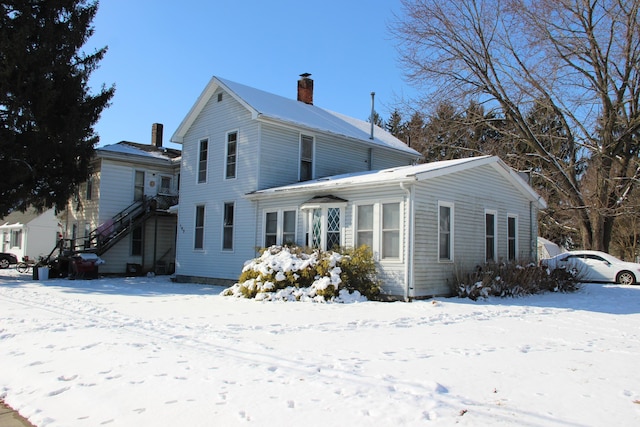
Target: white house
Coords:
[[260, 169], [32, 234], [122, 211], [425, 223]]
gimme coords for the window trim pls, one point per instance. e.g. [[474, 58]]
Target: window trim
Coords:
[[226, 155], [511, 216], [451, 207], [200, 228], [311, 160], [226, 226], [495, 235], [202, 162]]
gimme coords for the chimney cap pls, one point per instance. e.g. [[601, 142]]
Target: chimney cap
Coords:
[[305, 75]]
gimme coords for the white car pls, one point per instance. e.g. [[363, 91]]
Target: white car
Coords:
[[595, 266]]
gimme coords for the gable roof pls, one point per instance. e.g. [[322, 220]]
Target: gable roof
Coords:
[[16, 218], [419, 172], [267, 106]]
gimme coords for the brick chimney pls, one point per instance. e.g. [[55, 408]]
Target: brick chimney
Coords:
[[156, 135], [305, 89]]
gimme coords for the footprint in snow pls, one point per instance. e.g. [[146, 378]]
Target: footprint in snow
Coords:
[[57, 392]]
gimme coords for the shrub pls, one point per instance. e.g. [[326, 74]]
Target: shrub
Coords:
[[293, 273], [512, 279]]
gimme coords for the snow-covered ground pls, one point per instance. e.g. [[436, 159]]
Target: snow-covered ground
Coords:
[[148, 352]]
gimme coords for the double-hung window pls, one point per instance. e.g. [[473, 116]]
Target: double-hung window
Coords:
[[89, 193], [306, 157], [138, 186], [364, 226], [512, 237], [198, 241], [227, 226], [232, 149], [280, 227], [16, 238], [136, 241], [490, 236], [379, 226], [445, 231], [202, 160], [391, 230]]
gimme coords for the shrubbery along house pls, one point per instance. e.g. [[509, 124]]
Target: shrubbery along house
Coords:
[[259, 169]]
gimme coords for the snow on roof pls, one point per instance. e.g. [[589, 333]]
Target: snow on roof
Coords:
[[266, 105], [397, 174], [125, 147], [403, 174]]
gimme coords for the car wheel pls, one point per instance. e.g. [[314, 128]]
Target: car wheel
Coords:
[[4, 263], [626, 278]]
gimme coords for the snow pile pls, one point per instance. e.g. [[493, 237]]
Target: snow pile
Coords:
[[282, 273]]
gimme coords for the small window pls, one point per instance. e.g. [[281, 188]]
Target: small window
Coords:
[[138, 186], [365, 226], [220, 97], [16, 238], [445, 232], [271, 229], [199, 228], [232, 144], [87, 235], [227, 231], [288, 227], [165, 185], [490, 236], [136, 241], [306, 158], [391, 230], [202, 161], [512, 237], [89, 193]]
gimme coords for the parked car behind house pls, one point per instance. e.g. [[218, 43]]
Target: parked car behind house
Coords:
[[6, 259], [595, 266]]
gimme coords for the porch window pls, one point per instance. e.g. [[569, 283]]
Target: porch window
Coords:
[[165, 185], [202, 161], [227, 227], [391, 230], [306, 158], [232, 139], [198, 241], [490, 235], [324, 226], [364, 226], [512, 237], [280, 227], [445, 231]]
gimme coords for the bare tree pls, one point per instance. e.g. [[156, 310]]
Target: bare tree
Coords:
[[579, 59]]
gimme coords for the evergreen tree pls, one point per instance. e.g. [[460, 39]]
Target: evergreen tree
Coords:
[[46, 111]]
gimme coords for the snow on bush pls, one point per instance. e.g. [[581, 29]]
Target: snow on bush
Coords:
[[286, 273]]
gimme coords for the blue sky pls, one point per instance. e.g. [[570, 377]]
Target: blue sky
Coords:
[[163, 53]]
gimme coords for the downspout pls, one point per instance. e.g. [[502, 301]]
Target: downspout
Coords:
[[408, 270]]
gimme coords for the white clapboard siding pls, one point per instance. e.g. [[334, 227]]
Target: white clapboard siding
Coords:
[[214, 122], [472, 192]]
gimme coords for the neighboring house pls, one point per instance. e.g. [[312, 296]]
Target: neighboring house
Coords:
[[259, 169], [122, 212], [31, 233]]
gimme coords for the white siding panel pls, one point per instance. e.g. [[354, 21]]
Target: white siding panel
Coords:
[[471, 192]]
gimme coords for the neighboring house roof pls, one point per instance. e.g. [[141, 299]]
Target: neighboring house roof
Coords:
[[403, 174], [267, 106], [20, 218], [127, 148]]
